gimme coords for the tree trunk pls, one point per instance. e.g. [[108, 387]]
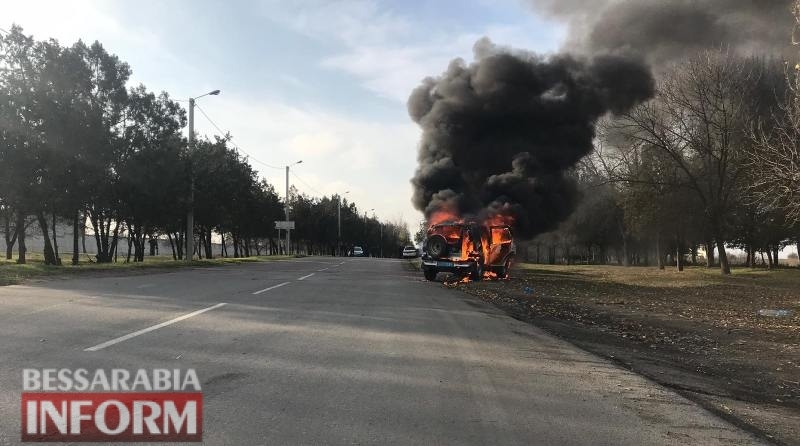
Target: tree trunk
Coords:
[[179, 245], [141, 240], [775, 251], [20, 228], [114, 241], [130, 243], [55, 242], [49, 255], [201, 242], [98, 229], [659, 253], [172, 245], [75, 238], [694, 255], [626, 261], [724, 267], [83, 231], [11, 237], [209, 252], [709, 254], [769, 257]]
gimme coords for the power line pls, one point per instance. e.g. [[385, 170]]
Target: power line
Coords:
[[306, 184], [313, 189], [232, 143]]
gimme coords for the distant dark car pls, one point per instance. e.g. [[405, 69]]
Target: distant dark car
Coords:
[[468, 249], [410, 252]]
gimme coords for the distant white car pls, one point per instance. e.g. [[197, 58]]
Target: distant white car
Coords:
[[358, 251], [410, 252]]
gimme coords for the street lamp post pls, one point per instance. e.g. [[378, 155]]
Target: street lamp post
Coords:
[[339, 225], [190, 213], [366, 230], [380, 225], [288, 231]]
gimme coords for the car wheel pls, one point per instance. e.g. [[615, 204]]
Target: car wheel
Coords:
[[477, 271], [437, 246], [430, 274], [503, 271]]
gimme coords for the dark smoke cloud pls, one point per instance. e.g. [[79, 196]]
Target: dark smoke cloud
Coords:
[[499, 133], [662, 31]]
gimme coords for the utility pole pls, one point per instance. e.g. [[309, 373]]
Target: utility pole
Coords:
[[288, 231], [190, 212], [288, 237], [339, 225], [380, 225], [367, 231]]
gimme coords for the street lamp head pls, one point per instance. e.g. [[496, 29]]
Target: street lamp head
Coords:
[[299, 162], [214, 93]]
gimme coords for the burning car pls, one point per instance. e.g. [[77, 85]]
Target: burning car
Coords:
[[469, 249]]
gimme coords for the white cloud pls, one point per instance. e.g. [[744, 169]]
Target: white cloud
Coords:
[[388, 52], [373, 160], [90, 20]]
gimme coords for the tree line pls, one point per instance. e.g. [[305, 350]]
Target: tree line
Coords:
[[710, 163], [79, 144]]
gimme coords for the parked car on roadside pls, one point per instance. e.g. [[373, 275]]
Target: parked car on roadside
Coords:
[[358, 251], [410, 252]]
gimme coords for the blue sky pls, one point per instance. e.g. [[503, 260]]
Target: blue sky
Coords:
[[321, 81]]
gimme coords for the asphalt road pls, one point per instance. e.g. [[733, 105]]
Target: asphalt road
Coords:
[[344, 351]]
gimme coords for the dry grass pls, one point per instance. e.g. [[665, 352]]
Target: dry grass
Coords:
[[652, 277], [13, 273], [696, 330]]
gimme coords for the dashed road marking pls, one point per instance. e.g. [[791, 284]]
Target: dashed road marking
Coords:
[[323, 269], [306, 276], [272, 287], [149, 329]]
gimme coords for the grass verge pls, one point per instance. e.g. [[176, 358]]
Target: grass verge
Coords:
[[12, 273]]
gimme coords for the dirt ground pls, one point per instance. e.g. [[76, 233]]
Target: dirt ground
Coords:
[[695, 331]]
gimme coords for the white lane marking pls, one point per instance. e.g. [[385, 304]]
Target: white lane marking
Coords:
[[306, 276], [272, 287], [323, 269], [146, 285], [149, 329]]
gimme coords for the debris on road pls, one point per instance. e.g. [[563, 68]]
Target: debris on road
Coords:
[[775, 313]]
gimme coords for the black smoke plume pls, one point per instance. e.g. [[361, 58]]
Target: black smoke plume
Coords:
[[499, 134], [663, 31]]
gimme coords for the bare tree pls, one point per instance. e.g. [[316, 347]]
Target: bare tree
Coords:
[[698, 122], [774, 158]]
